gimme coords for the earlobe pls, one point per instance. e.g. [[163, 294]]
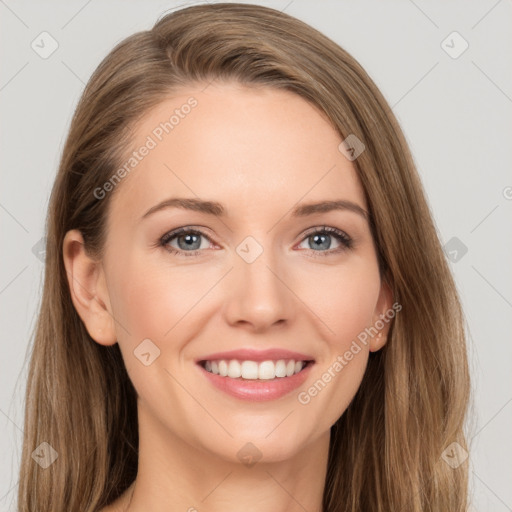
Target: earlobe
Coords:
[[88, 290], [381, 320]]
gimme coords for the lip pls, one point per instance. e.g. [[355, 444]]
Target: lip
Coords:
[[258, 390], [272, 354]]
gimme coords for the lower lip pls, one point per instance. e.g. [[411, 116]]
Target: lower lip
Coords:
[[258, 390]]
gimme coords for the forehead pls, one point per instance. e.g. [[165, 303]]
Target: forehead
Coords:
[[250, 148]]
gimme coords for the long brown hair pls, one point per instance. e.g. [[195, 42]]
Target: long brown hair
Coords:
[[386, 449]]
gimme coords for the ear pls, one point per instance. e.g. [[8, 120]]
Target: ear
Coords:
[[89, 292], [381, 321]]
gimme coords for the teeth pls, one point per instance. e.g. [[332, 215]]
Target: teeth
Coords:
[[234, 369], [223, 368], [249, 370], [252, 370]]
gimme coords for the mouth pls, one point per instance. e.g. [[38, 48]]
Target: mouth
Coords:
[[248, 370], [256, 381]]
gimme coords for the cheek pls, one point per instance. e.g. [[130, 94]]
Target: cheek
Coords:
[[345, 302], [347, 311], [160, 302], [153, 300], [156, 303], [347, 308]]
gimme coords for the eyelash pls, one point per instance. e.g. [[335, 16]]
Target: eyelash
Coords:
[[343, 238]]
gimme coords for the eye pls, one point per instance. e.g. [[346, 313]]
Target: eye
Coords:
[[188, 240], [320, 238]]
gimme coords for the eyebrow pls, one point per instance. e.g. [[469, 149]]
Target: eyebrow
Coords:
[[216, 209]]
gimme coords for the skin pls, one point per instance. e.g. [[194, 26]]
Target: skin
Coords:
[[259, 152]]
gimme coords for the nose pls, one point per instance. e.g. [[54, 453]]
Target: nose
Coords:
[[258, 296]]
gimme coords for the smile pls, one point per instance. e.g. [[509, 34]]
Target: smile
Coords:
[[252, 370], [256, 382]]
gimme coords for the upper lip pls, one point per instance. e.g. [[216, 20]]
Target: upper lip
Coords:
[[273, 354]]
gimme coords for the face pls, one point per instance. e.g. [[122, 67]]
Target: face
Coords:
[[260, 276]]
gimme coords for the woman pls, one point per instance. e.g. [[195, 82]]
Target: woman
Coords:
[[246, 304]]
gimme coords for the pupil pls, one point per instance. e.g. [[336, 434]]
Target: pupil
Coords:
[[318, 238], [190, 239]]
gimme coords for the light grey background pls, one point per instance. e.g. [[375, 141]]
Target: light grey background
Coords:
[[455, 112]]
